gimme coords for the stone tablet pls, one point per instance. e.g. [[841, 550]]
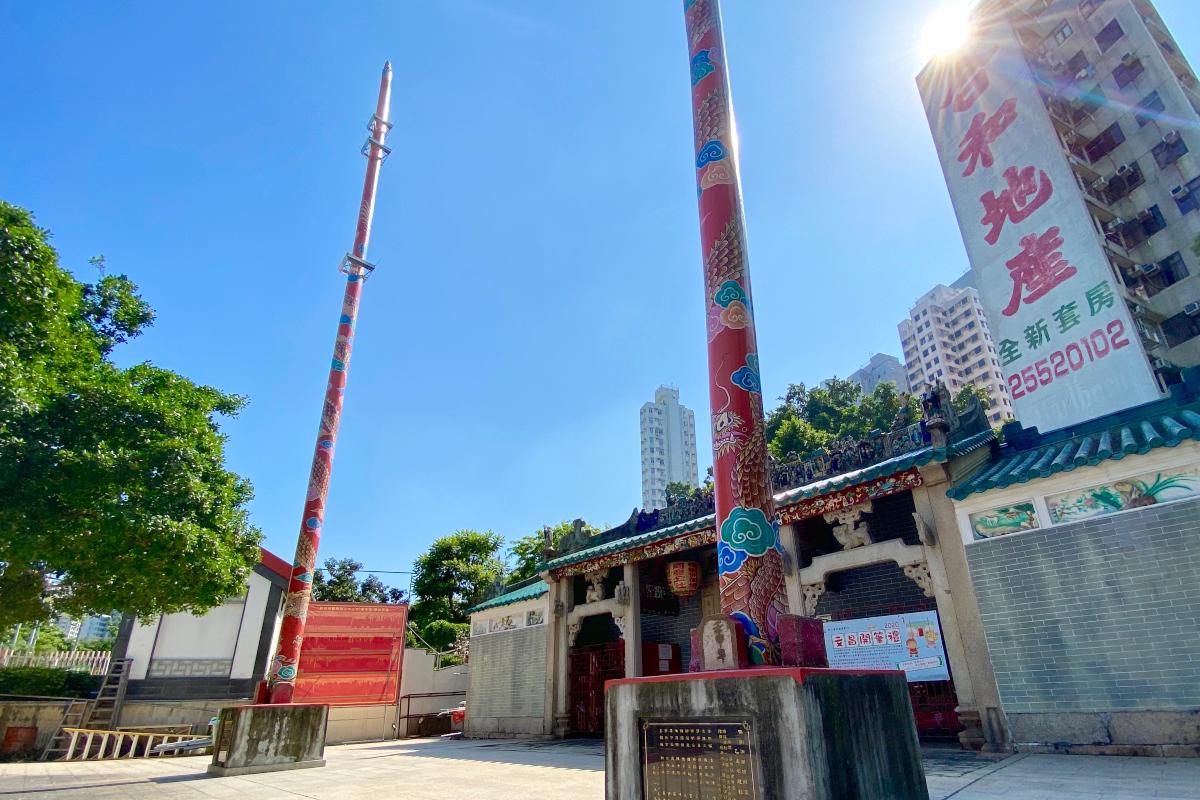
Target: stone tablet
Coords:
[[687, 759]]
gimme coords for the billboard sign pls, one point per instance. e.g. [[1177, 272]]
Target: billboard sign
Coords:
[[1065, 340], [908, 642]]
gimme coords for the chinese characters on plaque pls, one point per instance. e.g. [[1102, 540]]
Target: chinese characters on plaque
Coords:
[[698, 761], [1037, 256]]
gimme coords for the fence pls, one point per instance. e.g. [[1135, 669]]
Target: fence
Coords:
[[94, 662]]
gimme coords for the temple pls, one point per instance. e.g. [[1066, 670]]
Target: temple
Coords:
[[933, 524]]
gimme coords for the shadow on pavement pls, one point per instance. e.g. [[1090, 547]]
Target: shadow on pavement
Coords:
[[585, 754]]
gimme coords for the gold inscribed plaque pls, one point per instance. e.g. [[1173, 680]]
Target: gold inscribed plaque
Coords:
[[698, 761]]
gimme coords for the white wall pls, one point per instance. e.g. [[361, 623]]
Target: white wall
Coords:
[[230, 632]]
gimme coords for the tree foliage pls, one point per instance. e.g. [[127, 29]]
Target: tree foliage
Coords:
[[526, 553], [339, 581], [455, 573], [807, 419], [114, 486], [961, 400]]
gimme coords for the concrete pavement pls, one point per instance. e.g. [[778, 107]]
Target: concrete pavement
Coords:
[[431, 769]]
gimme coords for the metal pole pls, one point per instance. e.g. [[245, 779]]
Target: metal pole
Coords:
[[282, 682], [748, 548]]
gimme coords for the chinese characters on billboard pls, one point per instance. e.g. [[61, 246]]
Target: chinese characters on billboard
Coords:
[[1066, 343], [909, 642]]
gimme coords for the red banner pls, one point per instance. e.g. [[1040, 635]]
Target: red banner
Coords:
[[352, 654]]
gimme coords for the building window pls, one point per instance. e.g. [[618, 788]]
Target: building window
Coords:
[[1127, 71], [1105, 143], [1124, 182], [1171, 270], [1180, 328], [1088, 7], [1190, 200], [1151, 106], [1169, 150], [1062, 33], [1109, 35], [1148, 223]]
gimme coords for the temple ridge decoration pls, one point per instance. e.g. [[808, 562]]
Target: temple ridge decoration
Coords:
[[849, 528]]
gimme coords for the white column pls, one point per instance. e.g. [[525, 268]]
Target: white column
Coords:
[[787, 536], [633, 623]]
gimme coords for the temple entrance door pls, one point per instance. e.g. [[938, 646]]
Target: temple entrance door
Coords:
[[592, 663]]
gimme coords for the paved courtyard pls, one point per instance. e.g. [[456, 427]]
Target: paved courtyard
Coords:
[[572, 770]]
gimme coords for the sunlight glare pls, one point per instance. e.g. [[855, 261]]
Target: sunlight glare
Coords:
[[946, 31]]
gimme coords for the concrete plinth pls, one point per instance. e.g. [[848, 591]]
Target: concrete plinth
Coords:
[[269, 738], [766, 734]]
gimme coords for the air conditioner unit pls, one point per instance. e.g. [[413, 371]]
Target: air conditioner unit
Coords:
[[1145, 214], [1124, 170], [1179, 192], [1086, 72], [1148, 269], [1129, 59], [1171, 137], [1192, 309], [1070, 138], [1100, 184], [1114, 224]]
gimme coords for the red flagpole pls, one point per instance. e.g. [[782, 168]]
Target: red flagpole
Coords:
[[282, 682], [748, 550]]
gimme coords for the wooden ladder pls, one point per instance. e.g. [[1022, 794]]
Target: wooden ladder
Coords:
[[102, 713]]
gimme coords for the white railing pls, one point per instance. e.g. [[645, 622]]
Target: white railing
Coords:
[[85, 744], [94, 662]]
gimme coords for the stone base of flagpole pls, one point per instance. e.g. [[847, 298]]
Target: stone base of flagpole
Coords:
[[761, 734], [269, 738]]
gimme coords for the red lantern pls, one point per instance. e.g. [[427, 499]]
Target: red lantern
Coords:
[[684, 578]]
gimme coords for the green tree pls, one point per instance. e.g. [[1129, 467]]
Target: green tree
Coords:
[[963, 398], [114, 486], [455, 573], [809, 419], [338, 581], [526, 553]]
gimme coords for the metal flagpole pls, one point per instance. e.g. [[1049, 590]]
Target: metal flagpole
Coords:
[[748, 549], [282, 682]]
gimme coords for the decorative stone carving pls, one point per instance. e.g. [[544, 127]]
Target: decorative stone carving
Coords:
[[919, 574], [925, 534], [573, 633], [848, 526], [595, 592], [810, 594], [620, 621], [622, 594]]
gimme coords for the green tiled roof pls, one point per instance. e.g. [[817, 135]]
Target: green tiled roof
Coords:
[[617, 545], [534, 589], [1163, 423], [891, 466]]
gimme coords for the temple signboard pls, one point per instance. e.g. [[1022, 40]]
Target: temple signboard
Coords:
[[686, 760]]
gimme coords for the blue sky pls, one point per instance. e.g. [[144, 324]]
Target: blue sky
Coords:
[[536, 235]]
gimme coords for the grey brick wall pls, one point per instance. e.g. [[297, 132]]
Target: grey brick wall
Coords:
[[508, 674], [1099, 615], [872, 591], [665, 629]]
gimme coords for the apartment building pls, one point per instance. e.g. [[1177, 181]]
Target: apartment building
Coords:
[[668, 435], [946, 339]]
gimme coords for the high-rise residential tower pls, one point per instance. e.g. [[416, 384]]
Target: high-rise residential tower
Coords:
[[1069, 135], [882, 368], [668, 446], [946, 339]]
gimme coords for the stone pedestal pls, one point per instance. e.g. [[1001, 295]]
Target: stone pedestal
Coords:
[[269, 738], [762, 734], [802, 641]]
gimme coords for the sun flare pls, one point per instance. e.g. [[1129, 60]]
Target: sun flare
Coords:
[[946, 31]]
